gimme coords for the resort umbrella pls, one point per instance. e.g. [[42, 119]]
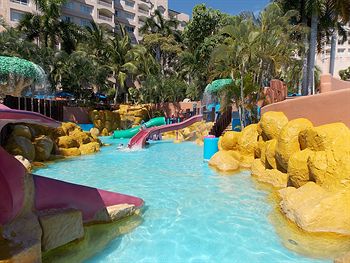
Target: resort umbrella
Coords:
[[100, 96], [217, 85], [64, 94]]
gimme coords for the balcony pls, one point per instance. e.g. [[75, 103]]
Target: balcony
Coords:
[[105, 3], [143, 11], [105, 18]]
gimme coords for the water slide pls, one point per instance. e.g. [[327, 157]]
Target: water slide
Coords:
[[133, 131], [49, 193], [139, 140]]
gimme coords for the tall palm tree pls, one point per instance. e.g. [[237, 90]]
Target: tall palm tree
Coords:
[[339, 15], [161, 27], [48, 28], [236, 55], [158, 24], [121, 59]]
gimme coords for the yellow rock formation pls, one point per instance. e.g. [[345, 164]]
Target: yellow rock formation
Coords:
[[224, 162], [43, 148], [315, 161], [288, 140], [314, 209], [91, 147], [270, 150], [298, 169], [248, 140], [67, 142], [196, 132], [271, 124], [230, 140], [69, 151]]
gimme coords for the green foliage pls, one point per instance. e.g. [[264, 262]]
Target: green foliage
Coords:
[[157, 89], [345, 74], [205, 22]]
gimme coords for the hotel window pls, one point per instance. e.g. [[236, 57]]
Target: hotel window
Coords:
[[130, 29], [67, 19], [129, 15], [85, 9], [16, 16], [22, 2], [69, 5], [129, 3], [85, 22], [341, 50]]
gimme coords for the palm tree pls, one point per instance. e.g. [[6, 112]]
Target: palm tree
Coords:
[[96, 41], [259, 49], [158, 24], [236, 55], [339, 10], [157, 27], [121, 59], [48, 28]]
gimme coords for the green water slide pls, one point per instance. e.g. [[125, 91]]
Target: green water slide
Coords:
[[129, 133]]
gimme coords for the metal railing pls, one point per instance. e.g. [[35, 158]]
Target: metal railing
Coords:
[[107, 4], [106, 18], [49, 108], [143, 11]]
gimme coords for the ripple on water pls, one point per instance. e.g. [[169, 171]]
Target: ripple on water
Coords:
[[193, 214]]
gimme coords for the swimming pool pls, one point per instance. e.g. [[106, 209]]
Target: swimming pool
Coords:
[[192, 214]]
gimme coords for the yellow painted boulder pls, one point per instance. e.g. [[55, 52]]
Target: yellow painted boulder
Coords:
[[246, 161], [298, 169], [43, 148], [270, 152], [69, 127], [330, 169], [81, 137], [104, 132], [88, 148], [273, 177], [271, 124], [69, 151], [19, 145], [224, 162], [67, 142], [327, 137], [94, 115], [22, 130], [288, 141], [257, 167], [98, 124], [248, 140], [314, 209], [236, 154], [230, 140]]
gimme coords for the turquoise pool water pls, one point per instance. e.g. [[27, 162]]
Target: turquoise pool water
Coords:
[[192, 213]]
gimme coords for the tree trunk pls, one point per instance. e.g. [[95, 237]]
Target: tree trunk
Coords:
[[332, 56], [304, 83], [305, 77], [242, 102], [312, 52], [116, 94]]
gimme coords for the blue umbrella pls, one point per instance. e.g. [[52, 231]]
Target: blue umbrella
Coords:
[[64, 94], [100, 96]]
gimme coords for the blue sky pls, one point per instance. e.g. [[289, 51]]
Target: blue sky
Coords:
[[227, 6]]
